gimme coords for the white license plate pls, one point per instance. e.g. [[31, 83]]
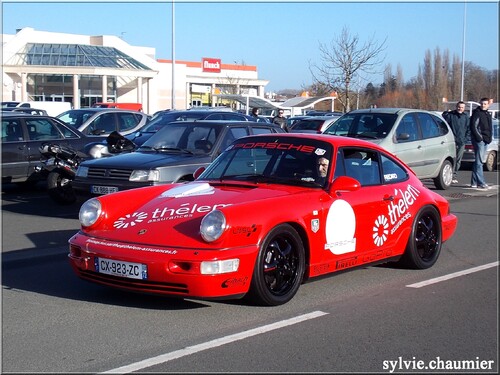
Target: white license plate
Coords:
[[96, 189], [119, 268]]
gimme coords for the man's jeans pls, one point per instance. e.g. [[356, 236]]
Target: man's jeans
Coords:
[[477, 178], [460, 153]]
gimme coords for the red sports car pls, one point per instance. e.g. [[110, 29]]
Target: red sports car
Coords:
[[271, 212]]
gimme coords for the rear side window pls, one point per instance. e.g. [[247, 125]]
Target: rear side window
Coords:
[[391, 171], [12, 130], [128, 121], [430, 128]]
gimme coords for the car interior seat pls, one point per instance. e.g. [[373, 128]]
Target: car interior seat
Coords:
[[204, 145]]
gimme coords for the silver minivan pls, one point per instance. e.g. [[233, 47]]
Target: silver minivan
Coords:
[[422, 139]]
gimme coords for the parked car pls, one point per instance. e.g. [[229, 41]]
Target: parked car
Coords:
[[23, 134], [132, 106], [103, 121], [293, 119], [491, 151], [422, 139], [164, 118], [172, 154], [53, 108], [31, 111], [313, 124], [256, 222], [324, 113]]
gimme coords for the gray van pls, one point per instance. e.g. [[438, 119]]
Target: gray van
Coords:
[[422, 139]]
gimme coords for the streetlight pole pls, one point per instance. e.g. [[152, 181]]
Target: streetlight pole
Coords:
[[463, 54], [173, 54]]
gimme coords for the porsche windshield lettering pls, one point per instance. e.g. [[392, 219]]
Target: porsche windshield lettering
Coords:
[[278, 146]]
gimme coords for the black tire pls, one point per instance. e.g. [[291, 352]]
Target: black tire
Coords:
[[424, 245], [279, 268], [443, 181], [491, 161], [60, 188]]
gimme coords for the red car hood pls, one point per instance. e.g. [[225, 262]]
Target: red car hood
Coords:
[[172, 218]]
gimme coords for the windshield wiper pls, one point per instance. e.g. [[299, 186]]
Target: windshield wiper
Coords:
[[164, 148]]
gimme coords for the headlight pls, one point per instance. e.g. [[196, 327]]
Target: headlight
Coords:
[[82, 171], [90, 212], [143, 175], [212, 226]]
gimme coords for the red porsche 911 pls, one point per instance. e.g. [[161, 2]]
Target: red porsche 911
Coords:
[[271, 212]]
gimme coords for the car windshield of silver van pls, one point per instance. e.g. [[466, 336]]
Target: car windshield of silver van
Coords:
[[363, 125]]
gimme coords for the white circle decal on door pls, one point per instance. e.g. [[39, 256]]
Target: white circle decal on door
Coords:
[[340, 228]]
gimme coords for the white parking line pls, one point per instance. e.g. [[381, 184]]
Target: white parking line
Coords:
[[452, 275], [212, 344]]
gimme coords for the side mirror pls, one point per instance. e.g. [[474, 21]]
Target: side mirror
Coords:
[[344, 184], [403, 137], [198, 172]]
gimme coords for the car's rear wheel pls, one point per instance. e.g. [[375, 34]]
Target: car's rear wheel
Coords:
[[279, 268], [424, 245], [491, 161], [443, 180]]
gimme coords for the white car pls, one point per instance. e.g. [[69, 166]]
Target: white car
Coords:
[[103, 121], [422, 139]]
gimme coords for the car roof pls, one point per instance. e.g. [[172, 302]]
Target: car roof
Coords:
[[102, 110], [388, 110], [21, 114], [226, 122]]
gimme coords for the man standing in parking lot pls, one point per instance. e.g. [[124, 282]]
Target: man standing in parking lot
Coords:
[[458, 120], [280, 120], [481, 129], [255, 113]]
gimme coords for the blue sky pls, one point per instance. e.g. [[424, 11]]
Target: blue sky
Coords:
[[281, 38]]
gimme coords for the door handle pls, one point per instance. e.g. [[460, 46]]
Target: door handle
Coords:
[[388, 197]]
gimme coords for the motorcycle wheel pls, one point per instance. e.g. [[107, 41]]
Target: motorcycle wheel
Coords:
[[60, 189]]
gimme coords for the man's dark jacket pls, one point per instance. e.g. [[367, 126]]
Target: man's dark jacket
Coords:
[[481, 125], [459, 124]]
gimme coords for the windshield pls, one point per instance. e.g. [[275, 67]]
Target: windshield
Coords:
[[363, 125], [269, 159], [178, 136], [75, 118]]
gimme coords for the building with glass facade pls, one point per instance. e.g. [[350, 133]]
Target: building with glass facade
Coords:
[[83, 70]]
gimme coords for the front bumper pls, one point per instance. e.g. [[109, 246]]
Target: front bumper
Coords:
[[173, 272]]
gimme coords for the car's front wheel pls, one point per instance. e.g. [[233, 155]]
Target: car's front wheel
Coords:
[[443, 180], [424, 245], [279, 268]]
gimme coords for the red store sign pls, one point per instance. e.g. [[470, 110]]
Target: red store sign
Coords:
[[210, 65]]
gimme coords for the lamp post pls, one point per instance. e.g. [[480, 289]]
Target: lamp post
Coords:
[[463, 54], [173, 54]]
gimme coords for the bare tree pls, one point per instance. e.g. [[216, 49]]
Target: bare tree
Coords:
[[344, 59]]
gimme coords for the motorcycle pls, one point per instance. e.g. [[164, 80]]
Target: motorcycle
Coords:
[[60, 163]]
